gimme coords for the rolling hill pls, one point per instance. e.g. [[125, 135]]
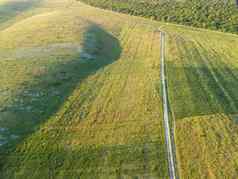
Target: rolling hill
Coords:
[[81, 95]]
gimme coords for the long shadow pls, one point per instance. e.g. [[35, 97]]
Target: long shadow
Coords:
[[206, 95], [211, 83], [42, 98], [13, 8]]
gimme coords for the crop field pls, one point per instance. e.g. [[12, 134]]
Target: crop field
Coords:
[[65, 110], [202, 71], [80, 95]]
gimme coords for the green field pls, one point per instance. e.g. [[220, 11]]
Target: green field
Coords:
[[66, 75], [80, 95], [202, 74]]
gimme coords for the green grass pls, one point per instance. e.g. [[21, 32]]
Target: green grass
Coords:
[[202, 74], [207, 146], [80, 96], [205, 72], [13, 10], [70, 72]]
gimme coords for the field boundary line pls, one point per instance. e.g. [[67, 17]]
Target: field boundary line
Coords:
[[172, 169]]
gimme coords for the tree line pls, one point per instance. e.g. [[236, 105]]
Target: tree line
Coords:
[[216, 15]]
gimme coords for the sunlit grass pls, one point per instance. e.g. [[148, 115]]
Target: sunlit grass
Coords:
[[80, 96], [202, 74], [87, 91]]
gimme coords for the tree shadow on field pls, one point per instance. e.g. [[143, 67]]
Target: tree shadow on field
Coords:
[[46, 93], [12, 8], [203, 83], [204, 95]]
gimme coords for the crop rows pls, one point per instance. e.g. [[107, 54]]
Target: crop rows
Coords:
[[202, 88], [110, 124]]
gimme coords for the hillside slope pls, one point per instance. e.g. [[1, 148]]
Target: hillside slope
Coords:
[[80, 96], [67, 73]]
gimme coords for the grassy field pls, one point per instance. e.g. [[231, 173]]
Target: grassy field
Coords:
[[202, 71], [80, 95], [65, 110]]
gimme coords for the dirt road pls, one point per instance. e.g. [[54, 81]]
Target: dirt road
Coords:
[[172, 173]]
